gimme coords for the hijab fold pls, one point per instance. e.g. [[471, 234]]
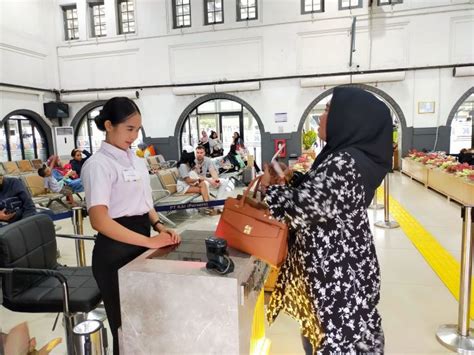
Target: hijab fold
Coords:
[[360, 124]]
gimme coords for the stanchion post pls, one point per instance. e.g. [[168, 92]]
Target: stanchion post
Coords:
[[77, 223], [458, 337], [374, 205], [386, 223]]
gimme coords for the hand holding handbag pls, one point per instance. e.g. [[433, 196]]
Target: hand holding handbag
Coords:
[[247, 226]]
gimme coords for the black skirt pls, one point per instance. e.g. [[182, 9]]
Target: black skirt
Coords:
[[108, 257]]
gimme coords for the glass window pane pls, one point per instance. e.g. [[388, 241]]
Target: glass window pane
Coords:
[[15, 140], [3, 145], [179, 2], [209, 106], [186, 9], [187, 20], [218, 6], [228, 105], [131, 17], [210, 6], [218, 16], [130, 6], [179, 21], [131, 27], [252, 13], [41, 147], [251, 2], [210, 17], [243, 14], [27, 137], [179, 10]]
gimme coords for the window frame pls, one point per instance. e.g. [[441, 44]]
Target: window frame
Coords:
[[64, 10], [389, 2], [350, 7], [238, 8], [303, 12], [175, 15], [91, 17], [206, 13], [120, 23]]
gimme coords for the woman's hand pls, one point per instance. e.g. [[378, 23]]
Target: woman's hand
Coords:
[[271, 177], [174, 235], [162, 240]]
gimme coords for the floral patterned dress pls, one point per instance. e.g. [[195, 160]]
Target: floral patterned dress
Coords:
[[330, 281]]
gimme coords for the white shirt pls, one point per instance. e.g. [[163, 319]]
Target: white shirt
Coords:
[[119, 180]]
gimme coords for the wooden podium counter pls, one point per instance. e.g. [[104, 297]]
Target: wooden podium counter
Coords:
[[448, 184]]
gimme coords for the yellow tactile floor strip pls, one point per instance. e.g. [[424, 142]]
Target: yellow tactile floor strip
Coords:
[[441, 261]]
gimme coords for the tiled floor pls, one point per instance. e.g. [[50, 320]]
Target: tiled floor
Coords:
[[414, 302]]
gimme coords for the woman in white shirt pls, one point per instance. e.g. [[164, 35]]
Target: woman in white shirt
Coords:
[[120, 205], [215, 145]]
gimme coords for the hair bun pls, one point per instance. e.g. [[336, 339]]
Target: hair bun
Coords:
[[99, 121]]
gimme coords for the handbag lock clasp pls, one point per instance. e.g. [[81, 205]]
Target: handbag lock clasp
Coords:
[[247, 229]]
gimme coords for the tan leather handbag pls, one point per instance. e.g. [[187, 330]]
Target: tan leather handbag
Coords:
[[247, 226]]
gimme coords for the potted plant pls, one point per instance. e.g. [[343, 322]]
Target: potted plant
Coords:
[[309, 138]]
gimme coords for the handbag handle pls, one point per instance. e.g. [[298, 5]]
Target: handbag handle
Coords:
[[247, 190]]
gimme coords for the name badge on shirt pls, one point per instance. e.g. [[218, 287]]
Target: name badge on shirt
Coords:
[[131, 175]]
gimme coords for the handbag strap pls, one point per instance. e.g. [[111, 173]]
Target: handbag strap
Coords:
[[247, 190]]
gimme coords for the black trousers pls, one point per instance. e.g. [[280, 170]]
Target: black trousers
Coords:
[[110, 255]]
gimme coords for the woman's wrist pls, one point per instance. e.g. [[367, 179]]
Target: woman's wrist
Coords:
[[156, 226]]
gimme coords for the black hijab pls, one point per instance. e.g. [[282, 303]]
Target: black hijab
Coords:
[[360, 124]]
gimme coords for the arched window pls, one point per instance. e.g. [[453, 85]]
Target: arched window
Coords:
[[312, 119], [224, 117], [461, 126], [22, 138], [89, 137]]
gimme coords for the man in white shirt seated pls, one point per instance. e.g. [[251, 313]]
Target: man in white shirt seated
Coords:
[[204, 165]]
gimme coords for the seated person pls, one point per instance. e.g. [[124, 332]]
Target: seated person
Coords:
[[188, 180], [15, 200], [466, 156], [204, 141], [204, 166], [77, 161], [234, 158], [53, 185], [63, 172], [215, 145]]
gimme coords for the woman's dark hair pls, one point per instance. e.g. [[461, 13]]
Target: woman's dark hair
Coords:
[[187, 158], [237, 140], [74, 151], [116, 110], [213, 135]]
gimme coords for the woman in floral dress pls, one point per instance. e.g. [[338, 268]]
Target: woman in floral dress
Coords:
[[330, 281]]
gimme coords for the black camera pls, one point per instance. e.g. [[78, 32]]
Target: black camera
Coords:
[[217, 256]]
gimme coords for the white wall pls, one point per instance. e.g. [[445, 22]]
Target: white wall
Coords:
[[27, 53], [282, 42]]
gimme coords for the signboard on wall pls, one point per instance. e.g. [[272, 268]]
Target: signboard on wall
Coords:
[[281, 117]]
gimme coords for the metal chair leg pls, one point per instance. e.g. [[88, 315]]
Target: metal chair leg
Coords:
[[166, 219]]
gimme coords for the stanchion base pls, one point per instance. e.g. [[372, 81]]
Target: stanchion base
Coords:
[[387, 224], [98, 313], [378, 206], [449, 337]]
